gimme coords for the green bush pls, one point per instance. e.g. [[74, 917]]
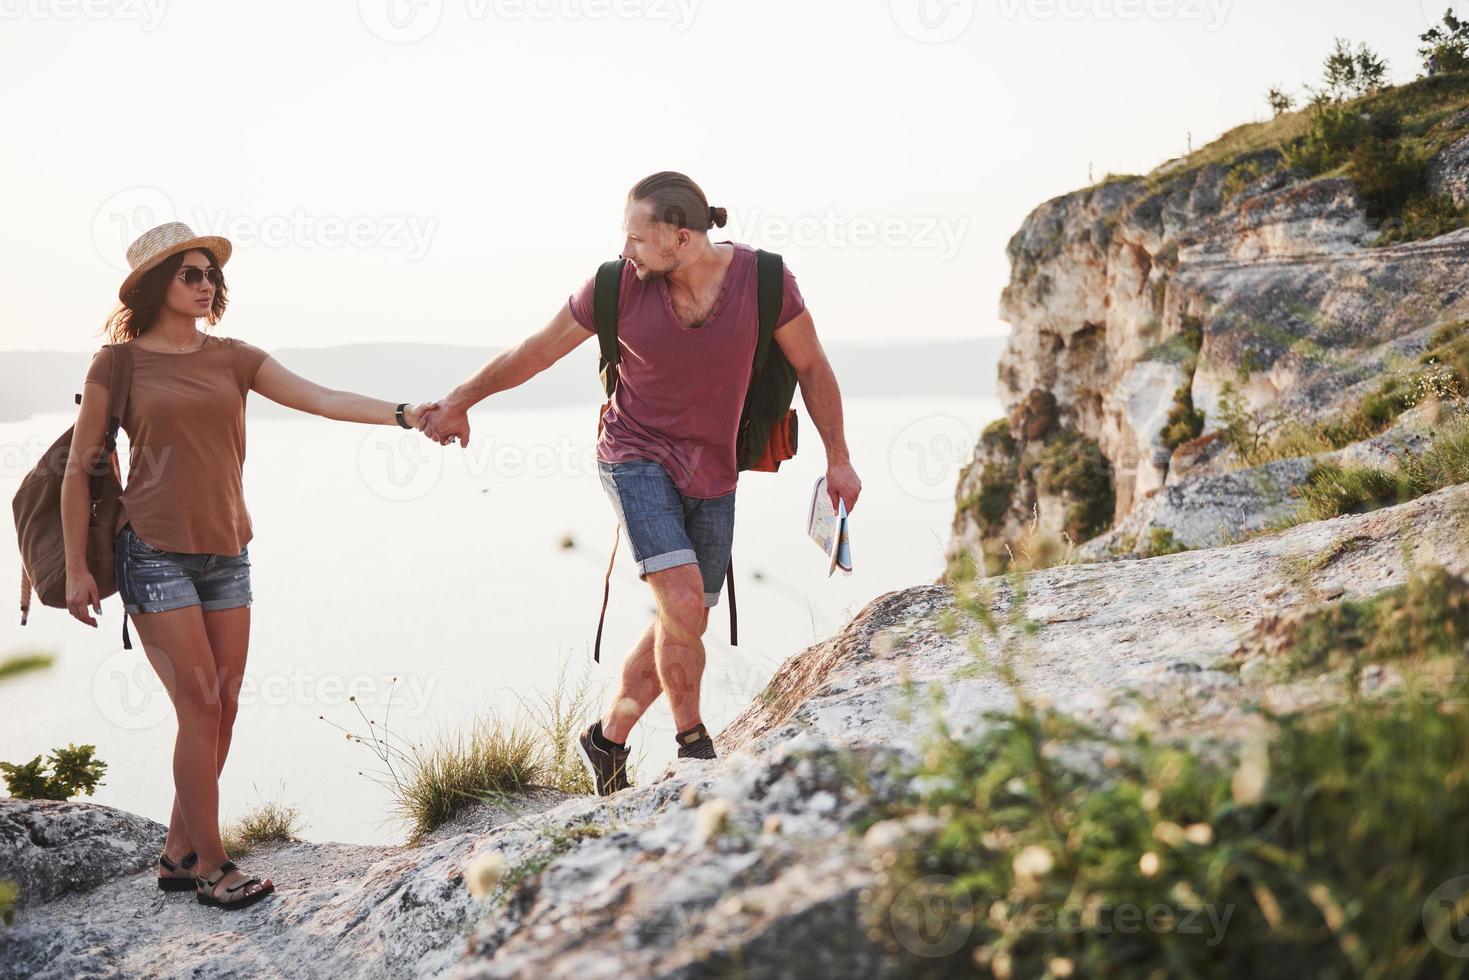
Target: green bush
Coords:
[[1242, 176], [1332, 490], [1162, 542], [1184, 421], [73, 770], [1446, 46], [997, 492], [1386, 175], [1425, 618], [1318, 851], [1332, 133], [1074, 466]]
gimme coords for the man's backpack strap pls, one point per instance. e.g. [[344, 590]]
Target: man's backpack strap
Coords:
[[770, 279], [604, 315], [606, 590], [734, 626]]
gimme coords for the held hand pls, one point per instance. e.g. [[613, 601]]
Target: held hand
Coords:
[[445, 422], [842, 482], [81, 596], [414, 413]]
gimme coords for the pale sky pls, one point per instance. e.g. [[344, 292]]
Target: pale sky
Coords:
[[449, 170]]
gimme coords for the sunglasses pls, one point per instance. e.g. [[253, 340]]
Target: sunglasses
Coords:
[[192, 275]]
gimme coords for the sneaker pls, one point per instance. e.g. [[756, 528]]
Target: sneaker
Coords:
[[695, 743], [607, 766]]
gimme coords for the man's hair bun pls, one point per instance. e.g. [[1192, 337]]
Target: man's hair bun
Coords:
[[718, 217]]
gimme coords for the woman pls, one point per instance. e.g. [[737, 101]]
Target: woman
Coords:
[[183, 568]]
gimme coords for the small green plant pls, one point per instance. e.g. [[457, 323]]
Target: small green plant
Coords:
[[1074, 466], [1280, 101], [1351, 72], [72, 770], [1244, 429], [1241, 176], [1316, 850], [24, 663], [269, 823], [1445, 46], [1185, 422], [491, 759], [1162, 542]]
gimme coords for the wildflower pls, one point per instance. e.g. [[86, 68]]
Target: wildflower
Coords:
[[711, 820], [1199, 833], [484, 873]]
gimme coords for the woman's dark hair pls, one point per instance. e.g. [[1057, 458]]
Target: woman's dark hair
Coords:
[[137, 314], [678, 201]]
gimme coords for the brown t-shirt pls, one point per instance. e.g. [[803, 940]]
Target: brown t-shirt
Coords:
[[185, 421]]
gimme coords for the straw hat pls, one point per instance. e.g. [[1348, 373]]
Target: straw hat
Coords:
[[157, 244]]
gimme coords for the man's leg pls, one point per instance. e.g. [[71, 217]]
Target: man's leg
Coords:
[[639, 686], [678, 647]]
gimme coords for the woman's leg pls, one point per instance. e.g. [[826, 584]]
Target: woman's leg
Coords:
[[177, 646], [229, 640]]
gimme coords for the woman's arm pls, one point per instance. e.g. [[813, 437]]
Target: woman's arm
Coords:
[[293, 391], [76, 501]]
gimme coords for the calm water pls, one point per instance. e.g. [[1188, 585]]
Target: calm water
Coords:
[[472, 576]]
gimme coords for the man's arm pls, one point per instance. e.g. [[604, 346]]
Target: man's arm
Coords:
[[505, 370], [799, 343]]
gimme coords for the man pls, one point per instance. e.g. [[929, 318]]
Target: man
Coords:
[[687, 327]]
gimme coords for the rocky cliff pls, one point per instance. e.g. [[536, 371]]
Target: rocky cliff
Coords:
[[763, 863], [1134, 303]]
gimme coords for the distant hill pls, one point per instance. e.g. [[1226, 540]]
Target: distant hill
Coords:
[[33, 382]]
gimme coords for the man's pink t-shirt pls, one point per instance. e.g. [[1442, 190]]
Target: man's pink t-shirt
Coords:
[[681, 390]]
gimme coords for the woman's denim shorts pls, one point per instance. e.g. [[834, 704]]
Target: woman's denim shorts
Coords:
[[666, 528], [152, 580]]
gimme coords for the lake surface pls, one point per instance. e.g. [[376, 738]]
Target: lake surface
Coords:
[[472, 576]]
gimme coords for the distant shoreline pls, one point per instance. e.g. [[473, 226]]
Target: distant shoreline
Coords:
[[44, 382]]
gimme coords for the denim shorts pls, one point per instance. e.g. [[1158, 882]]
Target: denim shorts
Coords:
[[665, 528], [152, 580]]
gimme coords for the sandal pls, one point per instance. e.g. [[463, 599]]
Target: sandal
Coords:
[[177, 883], [243, 892]]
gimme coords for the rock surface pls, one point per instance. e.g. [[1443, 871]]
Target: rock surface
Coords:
[[1126, 292], [749, 865]]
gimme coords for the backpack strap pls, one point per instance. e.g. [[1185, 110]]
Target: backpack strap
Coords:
[[117, 400], [770, 277], [606, 590], [734, 626], [605, 295]]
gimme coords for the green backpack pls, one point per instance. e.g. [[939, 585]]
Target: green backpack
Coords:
[[767, 433]]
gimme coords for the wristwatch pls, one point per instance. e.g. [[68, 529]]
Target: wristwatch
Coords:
[[399, 415]]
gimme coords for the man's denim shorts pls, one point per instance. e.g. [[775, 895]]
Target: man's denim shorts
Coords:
[[666, 528], [152, 580]]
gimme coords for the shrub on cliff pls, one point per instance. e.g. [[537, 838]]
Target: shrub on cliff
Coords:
[[71, 770], [1332, 846], [1074, 467]]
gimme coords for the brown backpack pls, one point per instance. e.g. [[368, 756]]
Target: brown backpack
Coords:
[[37, 507]]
